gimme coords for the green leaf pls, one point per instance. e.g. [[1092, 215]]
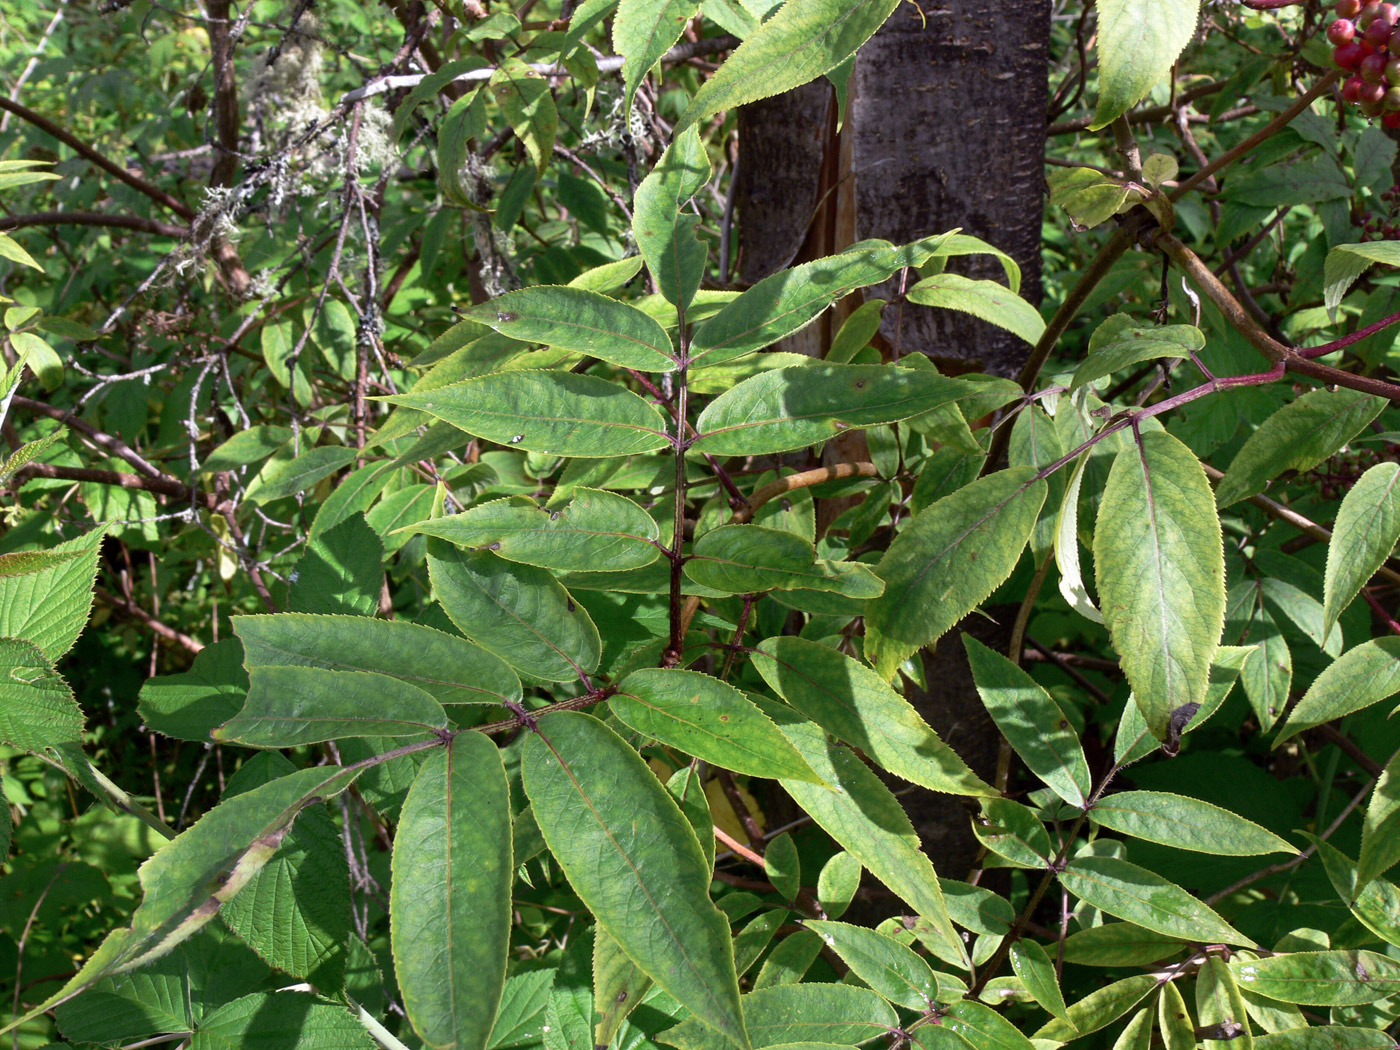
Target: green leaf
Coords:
[[340, 572], [1099, 1008], [593, 531], [528, 104], [192, 705], [1380, 829], [947, 560], [568, 1017], [632, 857], [707, 718], [1298, 436], [1143, 897], [867, 821], [983, 1027], [281, 1021], [1137, 1033], [450, 903], [1364, 675], [791, 299], [833, 1014], [29, 452], [354, 494], [521, 1018], [580, 321], [1014, 833], [288, 706], [746, 559], [1367, 526], [798, 44], [1185, 823], [666, 237], [1089, 196], [643, 31], [618, 987], [1121, 342], [1033, 966], [782, 866], [1331, 978], [1178, 1033], [449, 668], [1219, 1002], [790, 408], [558, 413], [1120, 944], [856, 331], [37, 709], [1138, 42], [246, 447], [848, 699], [41, 358], [50, 608], [10, 249], [890, 968], [1325, 1037], [1346, 262], [1375, 904], [295, 912], [1160, 566], [151, 1001], [519, 612], [1033, 724], [282, 478], [837, 883], [992, 302]]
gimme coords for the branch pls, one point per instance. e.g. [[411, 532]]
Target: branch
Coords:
[[83, 149], [92, 218], [162, 485], [135, 612], [103, 441]]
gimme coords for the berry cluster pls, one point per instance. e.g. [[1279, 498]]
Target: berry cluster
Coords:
[[1335, 478], [1365, 42], [1386, 225]]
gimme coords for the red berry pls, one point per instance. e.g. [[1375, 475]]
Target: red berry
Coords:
[[1368, 13], [1351, 90], [1390, 13], [1378, 33], [1342, 31], [1391, 120], [1372, 92], [1348, 8], [1392, 72], [1373, 69], [1348, 56]]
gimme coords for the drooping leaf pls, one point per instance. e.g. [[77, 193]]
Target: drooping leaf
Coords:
[[594, 531], [665, 234], [527, 102], [1031, 721], [1121, 342], [581, 321], [1364, 675], [1143, 897], [37, 709], [1037, 973], [629, 852], [1344, 977], [1298, 436], [709, 719], [1160, 566], [1089, 196], [519, 612], [848, 699], [798, 44], [643, 31], [282, 478], [862, 815], [890, 968], [746, 559], [558, 413], [1186, 823], [789, 408], [1367, 526], [1098, 1009], [992, 302], [449, 668], [292, 705], [450, 905], [950, 557], [1219, 1002], [1138, 42], [1173, 1020]]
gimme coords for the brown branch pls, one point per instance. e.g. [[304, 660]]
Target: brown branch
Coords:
[[793, 482], [103, 441], [1141, 116], [92, 218], [83, 149], [164, 486], [132, 611]]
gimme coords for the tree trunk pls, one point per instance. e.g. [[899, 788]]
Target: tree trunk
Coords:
[[945, 128]]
